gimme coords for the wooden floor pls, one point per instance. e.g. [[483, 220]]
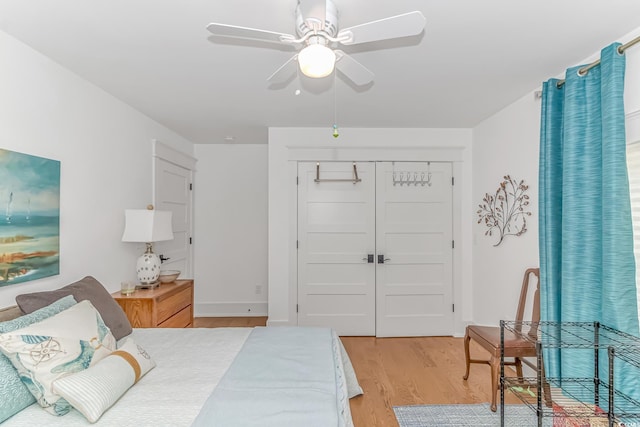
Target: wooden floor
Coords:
[[401, 371], [223, 322]]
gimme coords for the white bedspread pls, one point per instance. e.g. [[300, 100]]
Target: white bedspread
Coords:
[[283, 377], [190, 363]]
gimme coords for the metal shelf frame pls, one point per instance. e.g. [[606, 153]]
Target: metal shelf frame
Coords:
[[564, 397]]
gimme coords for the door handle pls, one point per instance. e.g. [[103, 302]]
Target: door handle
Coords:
[[163, 258], [382, 259], [368, 258]]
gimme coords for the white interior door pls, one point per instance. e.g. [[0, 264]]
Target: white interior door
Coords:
[[406, 227], [414, 284], [172, 192], [336, 232]]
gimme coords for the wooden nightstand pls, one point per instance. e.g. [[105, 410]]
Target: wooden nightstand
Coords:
[[170, 305]]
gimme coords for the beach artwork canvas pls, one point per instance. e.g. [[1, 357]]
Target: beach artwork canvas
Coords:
[[29, 217]]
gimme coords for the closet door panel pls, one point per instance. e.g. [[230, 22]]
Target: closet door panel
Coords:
[[336, 232], [414, 229]]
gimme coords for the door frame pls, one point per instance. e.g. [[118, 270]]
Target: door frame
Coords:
[[168, 154], [457, 155]]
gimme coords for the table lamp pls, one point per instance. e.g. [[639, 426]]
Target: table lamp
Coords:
[[147, 226]]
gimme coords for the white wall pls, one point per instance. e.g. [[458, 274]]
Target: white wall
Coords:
[[105, 151], [508, 143], [286, 146], [231, 230]]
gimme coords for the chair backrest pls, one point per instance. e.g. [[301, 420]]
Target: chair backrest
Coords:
[[535, 310]]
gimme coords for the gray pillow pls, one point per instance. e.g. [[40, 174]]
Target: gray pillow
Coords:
[[15, 395], [86, 289]]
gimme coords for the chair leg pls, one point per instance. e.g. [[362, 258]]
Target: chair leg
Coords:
[[467, 355], [518, 363], [495, 373], [546, 389]]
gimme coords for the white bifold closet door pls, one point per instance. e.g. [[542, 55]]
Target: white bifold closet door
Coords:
[[414, 226], [375, 258], [336, 231]]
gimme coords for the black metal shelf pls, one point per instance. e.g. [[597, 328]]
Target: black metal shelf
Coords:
[[566, 394], [587, 335], [575, 398]]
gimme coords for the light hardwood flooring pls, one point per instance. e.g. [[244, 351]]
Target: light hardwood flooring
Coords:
[[223, 322], [401, 371]]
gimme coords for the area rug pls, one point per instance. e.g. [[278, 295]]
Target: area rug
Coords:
[[465, 415]]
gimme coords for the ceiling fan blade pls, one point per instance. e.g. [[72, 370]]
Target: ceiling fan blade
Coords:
[[315, 10], [407, 24], [283, 73], [352, 69], [225, 30]]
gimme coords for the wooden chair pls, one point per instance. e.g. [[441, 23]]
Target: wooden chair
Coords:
[[515, 345]]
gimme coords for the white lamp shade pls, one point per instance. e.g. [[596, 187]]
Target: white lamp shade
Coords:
[[143, 225], [316, 60]]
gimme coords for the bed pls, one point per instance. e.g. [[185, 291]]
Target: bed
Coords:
[[228, 377]]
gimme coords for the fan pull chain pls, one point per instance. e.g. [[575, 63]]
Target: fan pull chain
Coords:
[[335, 106]]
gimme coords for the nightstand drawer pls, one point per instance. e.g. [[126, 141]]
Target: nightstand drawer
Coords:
[[182, 319], [170, 305]]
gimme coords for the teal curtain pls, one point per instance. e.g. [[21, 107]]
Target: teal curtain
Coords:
[[587, 267]]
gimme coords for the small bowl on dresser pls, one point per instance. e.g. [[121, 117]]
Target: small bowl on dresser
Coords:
[[168, 276]]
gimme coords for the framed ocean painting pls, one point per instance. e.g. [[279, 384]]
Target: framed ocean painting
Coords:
[[29, 217]]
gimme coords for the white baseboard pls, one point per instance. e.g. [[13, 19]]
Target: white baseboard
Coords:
[[279, 323], [231, 309], [460, 334]]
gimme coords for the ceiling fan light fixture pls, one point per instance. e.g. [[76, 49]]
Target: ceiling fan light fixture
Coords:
[[316, 61]]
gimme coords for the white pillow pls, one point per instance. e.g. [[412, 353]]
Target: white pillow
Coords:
[[96, 389], [68, 342]]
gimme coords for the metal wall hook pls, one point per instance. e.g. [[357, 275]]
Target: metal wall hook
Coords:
[[354, 180]]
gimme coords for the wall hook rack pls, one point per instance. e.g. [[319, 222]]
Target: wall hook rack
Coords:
[[412, 178]]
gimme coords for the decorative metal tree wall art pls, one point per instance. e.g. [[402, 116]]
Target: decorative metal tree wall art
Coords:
[[505, 213]]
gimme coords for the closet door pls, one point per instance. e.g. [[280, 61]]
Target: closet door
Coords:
[[414, 284], [336, 233]]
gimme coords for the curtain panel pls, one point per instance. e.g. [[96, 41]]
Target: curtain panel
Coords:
[[587, 267]]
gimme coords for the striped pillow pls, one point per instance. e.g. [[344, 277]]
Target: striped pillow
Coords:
[[97, 388]]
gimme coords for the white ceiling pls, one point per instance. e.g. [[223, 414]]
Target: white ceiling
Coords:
[[474, 58]]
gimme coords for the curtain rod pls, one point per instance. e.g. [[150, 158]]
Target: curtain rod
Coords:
[[584, 70]]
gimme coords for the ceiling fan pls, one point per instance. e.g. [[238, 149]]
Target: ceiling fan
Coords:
[[319, 35]]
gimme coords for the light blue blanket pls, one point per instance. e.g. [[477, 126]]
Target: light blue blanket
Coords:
[[283, 376]]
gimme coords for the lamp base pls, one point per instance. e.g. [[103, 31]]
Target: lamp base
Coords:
[[148, 268]]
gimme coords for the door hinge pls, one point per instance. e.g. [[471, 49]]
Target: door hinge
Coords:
[[453, 244], [453, 307], [190, 186], [297, 244], [453, 181], [297, 180], [191, 240], [296, 308]]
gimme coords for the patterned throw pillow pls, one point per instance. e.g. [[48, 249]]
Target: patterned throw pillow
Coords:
[[96, 389], [15, 395], [68, 342]]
